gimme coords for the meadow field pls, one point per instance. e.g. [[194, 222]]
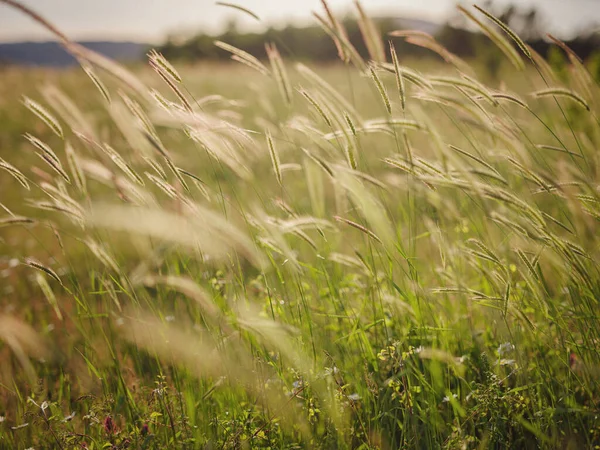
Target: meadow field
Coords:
[[377, 254]]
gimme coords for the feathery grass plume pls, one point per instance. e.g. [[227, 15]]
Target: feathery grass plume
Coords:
[[399, 77], [163, 185], [464, 82], [128, 124], [43, 114], [279, 72], [97, 82], [67, 110], [191, 289], [316, 106], [144, 121], [46, 150], [15, 220], [530, 266], [177, 172], [558, 149], [371, 35], [381, 89], [473, 157], [274, 157], [562, 92], [102, 255], [48, 155], [507, 30], [425, 40], [23, 341], [166, 77], [348, 120], [121, 164], [581, 72], [358, 227], [303, 223], [542, 65], [337, 32], [239, 8], [369, 207], [407, 124], [244, 57], [511, 98], [159, 63], [335, 24], [410, 75], [350, 156], [37, 265], [504, 45], [530, 174], [329, 91], [315, 184], [205, 230], [16, 173], [49, 294], [75, 168], [221, 149], [201, 185]]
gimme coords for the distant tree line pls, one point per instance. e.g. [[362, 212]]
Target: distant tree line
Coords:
[[312, 43]]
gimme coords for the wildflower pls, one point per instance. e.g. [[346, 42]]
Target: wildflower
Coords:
[[354, 397], [446, 399], [144, 431], [109, 425], [505, 349], [69, 417]]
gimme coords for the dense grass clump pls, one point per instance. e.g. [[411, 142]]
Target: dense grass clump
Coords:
[[378, 257]]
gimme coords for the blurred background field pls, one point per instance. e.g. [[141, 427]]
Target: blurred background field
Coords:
[[296, 251]]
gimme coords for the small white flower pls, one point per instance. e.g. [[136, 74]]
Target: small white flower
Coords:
[[170, 318], [354, 397], [69, 417], [2, 419], [508, 362], [506, 348], [447, 399]]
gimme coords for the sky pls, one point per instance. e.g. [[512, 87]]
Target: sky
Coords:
[[152, 20]]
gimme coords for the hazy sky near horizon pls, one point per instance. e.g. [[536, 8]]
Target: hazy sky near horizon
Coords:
[[152, 20]]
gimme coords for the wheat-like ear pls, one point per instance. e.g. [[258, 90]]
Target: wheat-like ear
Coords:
[[16, 173], [399, 77], [159, 63], [371, 35], [39, 266], [507, 30], [279, 72], [274, 157], [243, 57], [49, 294], [497, 39], [562, 92], [381, 89], [338, 34], [44, 115], [239, 8], [97, 82], [48, 155]]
